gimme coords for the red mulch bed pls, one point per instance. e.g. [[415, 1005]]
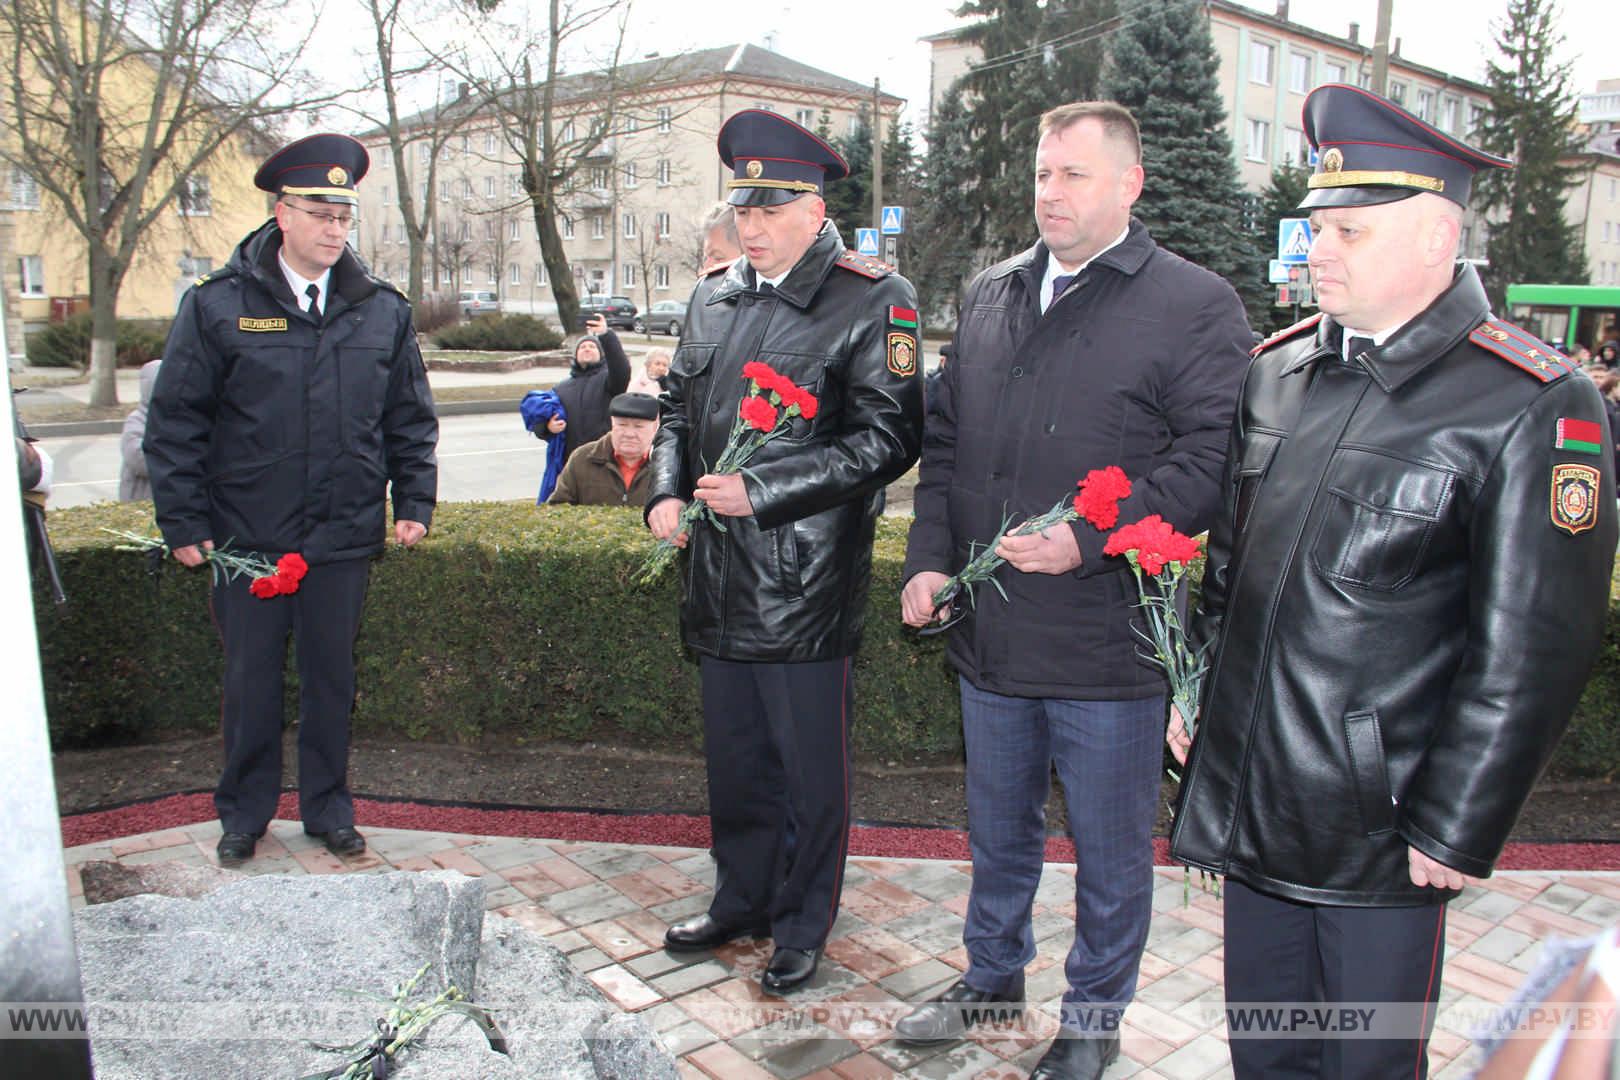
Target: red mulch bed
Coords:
[[675, 830]]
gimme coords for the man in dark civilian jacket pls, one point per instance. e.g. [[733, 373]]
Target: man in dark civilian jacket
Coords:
[[290, 403], [612, 471], [1093, 348]]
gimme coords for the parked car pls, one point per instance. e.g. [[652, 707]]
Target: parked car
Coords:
[[479, 303], [619, 311], [664, 317]]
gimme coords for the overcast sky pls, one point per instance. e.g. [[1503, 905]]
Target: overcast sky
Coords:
[[860, 39]]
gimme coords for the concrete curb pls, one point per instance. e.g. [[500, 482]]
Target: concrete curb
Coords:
[[75, 428]]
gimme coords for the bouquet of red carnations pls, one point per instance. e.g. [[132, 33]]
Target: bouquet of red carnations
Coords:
[[280, 578], [768, 406]]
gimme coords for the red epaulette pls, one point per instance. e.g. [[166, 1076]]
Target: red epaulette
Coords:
[[1285, 334], [864, 265], [1522, 349], [714, 268]]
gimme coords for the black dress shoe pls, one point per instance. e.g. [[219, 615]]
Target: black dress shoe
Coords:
[[1074, 1057], [789, 968], [343, 840], [235, 848], [703, 932], [949, 1015]]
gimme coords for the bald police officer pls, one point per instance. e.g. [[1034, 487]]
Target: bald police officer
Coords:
[[1406, 589], [774, 605], [290, 402]]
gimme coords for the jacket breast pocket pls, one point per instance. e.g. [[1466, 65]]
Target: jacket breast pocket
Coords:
[[1380, 517], [1259, 447], [808, 372]]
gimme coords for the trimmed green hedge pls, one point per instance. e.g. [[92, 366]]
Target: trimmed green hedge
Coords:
[[67, 343], [506, 333], [512, 624]]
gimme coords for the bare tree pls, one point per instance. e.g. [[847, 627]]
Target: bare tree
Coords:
[[650, 247], [114, 161]]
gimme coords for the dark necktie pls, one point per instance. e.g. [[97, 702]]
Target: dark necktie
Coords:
[[314, 294], [1060, 285], [1357, 346]]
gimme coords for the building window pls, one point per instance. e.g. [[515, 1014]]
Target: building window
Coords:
[[568, 227], [516, 226], [31, 268], [663, 172], [387, 195], [1333, 71], [492, 273], [1397, 93], [629, 226], [489, 187], [466, 230], [489, 142], [663, 119], [1295, 147], [387, 154], [1448, 114], [1261, 56], [599, 178], [568, 132], [598, 226], [426, 152], [661, 275], [630, 174], [629, 275], [628, 125], [1299, 72], [193, 197], [514, 184], [1259, 140], [514, 274], [764, 106], [466, 146], [24, 190], [466, 187], [1476, 119], [1364, 78], [489, 228], [445, 274], [1425, 106], [663, 224], [444, 191], [1465, 241], [805, 118]]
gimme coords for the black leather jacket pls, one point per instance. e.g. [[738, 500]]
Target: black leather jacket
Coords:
[[278, 431], [1402, 626], [790, 583]]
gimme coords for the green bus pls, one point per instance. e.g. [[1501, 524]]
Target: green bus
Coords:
[[1567, 315]]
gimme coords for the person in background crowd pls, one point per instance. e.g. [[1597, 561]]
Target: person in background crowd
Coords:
[[291, 404], [774, 604], [1093, 348], [654, 375], [611, 471], [935, 379], [720, 244], [1407, 586], [133, 483], [599, 373], [1609, 355]]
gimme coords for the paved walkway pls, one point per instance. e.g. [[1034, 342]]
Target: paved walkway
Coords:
[[898, 939]]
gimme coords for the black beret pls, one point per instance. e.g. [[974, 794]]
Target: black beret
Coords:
[[634, 407]]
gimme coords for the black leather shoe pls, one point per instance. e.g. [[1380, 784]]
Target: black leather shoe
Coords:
[[703, 932], [235, 848], [949, 1015], [789, 968], [342, 840], [1073, 1057]]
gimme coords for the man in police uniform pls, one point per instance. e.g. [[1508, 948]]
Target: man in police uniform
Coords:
[[774, 603], [291, 399], [1406, 589]]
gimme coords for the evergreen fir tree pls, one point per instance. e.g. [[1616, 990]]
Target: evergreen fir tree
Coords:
[[944, 239], [1531, 120], [849, 201], [1279, 200], [1162, 66]]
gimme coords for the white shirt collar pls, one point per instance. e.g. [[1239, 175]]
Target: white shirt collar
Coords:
[[1053, 270], [1378, 339], [299, 284]]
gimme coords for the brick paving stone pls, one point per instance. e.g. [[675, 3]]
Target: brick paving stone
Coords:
[[660, 961], [1520, 886], [589, 958], [505, 852], [1599, 909], [683, 980], [1055, 927], [725, 1017], [1484, 965], [569, 941], [686, 1038], [627, 991], [505, 896], [532, 916], [565, 872], [862, 1067], [932, 880], [1198, 1059], [1501, 944], [723, 1063], [901, 1057], [454, 858], [1561, 896], [645, 892], [957, 905], [614, 939], [1489, 905], [607, 860], [800, 1057], [1177, 988], [960, 1062], [918, 977], [588, 903], [676, 910], [648, 928], [1543, 922], [1141, 1047]]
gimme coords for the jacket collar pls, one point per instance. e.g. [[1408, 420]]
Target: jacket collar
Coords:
[[1429, 335], [255, 257], [803, 281], [1127, 257]]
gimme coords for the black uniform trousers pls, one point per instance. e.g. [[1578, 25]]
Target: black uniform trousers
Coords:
[[1283, 951], [776, 737], [323, 617]]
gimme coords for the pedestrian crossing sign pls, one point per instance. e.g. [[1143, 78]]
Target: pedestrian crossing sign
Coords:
[[866, 242], [894, 220], [1293, 240]]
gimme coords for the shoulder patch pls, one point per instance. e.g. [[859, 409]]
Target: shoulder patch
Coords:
[[391, 287], [1283, 335], [864, 265], [215, 275], [714, 268], [1522, 349]]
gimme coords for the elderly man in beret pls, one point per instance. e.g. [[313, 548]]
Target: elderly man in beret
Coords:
[[1407, 586], [291, 404], [611, 471]]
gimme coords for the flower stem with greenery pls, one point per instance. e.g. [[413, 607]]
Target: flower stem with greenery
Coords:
[[280, 578], [764, 415]]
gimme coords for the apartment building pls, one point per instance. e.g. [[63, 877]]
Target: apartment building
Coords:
[[629, 222]]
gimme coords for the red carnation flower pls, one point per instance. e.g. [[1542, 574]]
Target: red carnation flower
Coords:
[[265, 587], [1100, 492], [292, 566], [759, 371], [758, 413], [1155, 542], [807, 404]]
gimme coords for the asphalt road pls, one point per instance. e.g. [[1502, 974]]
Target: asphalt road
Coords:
[[485, 456]]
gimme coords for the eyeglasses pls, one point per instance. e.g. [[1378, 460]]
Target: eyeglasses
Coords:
[[344, 221]]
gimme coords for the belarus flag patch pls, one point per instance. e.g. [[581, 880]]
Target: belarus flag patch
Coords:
[[1580, 436]]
